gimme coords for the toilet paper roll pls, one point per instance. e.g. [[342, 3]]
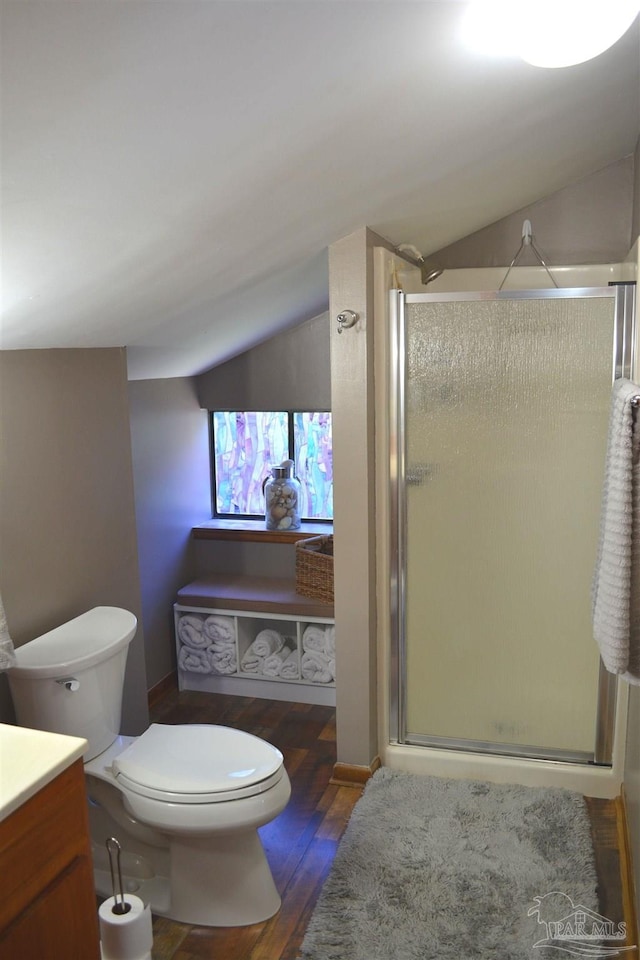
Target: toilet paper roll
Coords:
[[126, 936]]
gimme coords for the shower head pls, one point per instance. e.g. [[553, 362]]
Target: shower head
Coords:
[[429, 270]]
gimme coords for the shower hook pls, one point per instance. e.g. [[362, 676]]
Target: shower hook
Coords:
[[346, 320], [527, 241]]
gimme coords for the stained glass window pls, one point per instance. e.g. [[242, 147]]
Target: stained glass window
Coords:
[[247, 444], [313, 458]]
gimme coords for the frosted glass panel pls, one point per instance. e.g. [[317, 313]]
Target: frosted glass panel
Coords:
[[506, 418]]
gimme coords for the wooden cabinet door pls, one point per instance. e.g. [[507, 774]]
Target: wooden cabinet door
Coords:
[[60, 924]]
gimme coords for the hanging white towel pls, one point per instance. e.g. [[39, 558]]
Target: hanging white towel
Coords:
[[615, 589], [7, 655]]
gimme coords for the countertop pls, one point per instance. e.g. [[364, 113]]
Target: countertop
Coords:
[[30, 759]]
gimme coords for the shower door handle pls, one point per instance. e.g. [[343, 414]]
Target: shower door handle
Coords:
[[417, 474]]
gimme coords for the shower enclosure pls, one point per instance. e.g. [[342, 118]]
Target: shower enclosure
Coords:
[[499, 410]]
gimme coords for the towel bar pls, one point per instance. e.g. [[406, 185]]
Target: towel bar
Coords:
[[635, 401]]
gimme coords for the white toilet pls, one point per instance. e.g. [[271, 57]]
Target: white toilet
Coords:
[[184, 801]]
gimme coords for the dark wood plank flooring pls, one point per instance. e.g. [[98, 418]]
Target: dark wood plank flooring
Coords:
[[302, 841]]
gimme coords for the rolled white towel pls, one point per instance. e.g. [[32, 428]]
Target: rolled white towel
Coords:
[[267, 642], [222, 647], [225, 661], [194, 661], [291, 666], [219, 629], [314, 666], [190, 632], [314, 638], [251, 662], [330, 642], [273, 664], [332, 667]]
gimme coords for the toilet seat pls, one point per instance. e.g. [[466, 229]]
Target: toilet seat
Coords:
[[197, 763]]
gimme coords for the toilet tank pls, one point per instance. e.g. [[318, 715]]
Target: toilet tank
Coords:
[[70, 680]]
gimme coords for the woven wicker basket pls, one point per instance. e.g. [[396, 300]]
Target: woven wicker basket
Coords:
[[314, 568]]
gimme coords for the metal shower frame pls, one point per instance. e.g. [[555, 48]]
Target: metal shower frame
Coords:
[[623, 365]]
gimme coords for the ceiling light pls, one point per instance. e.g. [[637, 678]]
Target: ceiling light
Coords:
[[548, 33]]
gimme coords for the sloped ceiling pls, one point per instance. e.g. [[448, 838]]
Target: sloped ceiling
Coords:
[[173, 172]]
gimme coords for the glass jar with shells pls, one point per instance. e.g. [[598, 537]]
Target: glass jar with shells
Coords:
[[282, 498]]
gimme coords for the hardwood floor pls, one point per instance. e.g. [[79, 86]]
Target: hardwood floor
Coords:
[[302, 841], [612, 868]]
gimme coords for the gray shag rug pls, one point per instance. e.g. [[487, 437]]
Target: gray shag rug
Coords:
[[433, 868]]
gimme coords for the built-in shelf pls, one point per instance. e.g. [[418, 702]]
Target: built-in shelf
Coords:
[[240, 592], [244, 606], [255, 531], [251, 604]]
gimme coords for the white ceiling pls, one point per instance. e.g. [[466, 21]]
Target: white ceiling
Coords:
[[174, 170]]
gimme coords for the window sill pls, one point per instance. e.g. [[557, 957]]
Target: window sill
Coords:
[[255, 531]]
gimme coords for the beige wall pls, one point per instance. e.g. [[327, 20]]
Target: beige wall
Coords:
[[67, 519], [352, 371], [587, 222], [290, 371], [632, 785], [171, 468], [170, 449]]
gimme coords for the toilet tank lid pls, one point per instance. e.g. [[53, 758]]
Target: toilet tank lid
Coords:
[[76, 645]]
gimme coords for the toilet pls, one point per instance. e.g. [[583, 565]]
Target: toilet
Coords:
[[184, 801]]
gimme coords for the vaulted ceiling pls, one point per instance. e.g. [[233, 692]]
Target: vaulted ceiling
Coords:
[[173, 171]]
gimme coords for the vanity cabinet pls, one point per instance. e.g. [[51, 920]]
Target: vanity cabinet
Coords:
[[48, 908]]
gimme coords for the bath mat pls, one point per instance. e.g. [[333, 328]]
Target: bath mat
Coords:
[[437, 869]]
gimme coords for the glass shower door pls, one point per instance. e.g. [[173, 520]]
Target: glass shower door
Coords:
[[503, 418]]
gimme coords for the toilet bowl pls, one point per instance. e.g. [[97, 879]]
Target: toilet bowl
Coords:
[[204, 791], [185, 801]]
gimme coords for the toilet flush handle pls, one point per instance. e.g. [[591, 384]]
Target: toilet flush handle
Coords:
[[69, 683]]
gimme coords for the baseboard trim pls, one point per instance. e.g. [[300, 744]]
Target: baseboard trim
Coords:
[[626, 871], [161, 687], [353, 775]]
